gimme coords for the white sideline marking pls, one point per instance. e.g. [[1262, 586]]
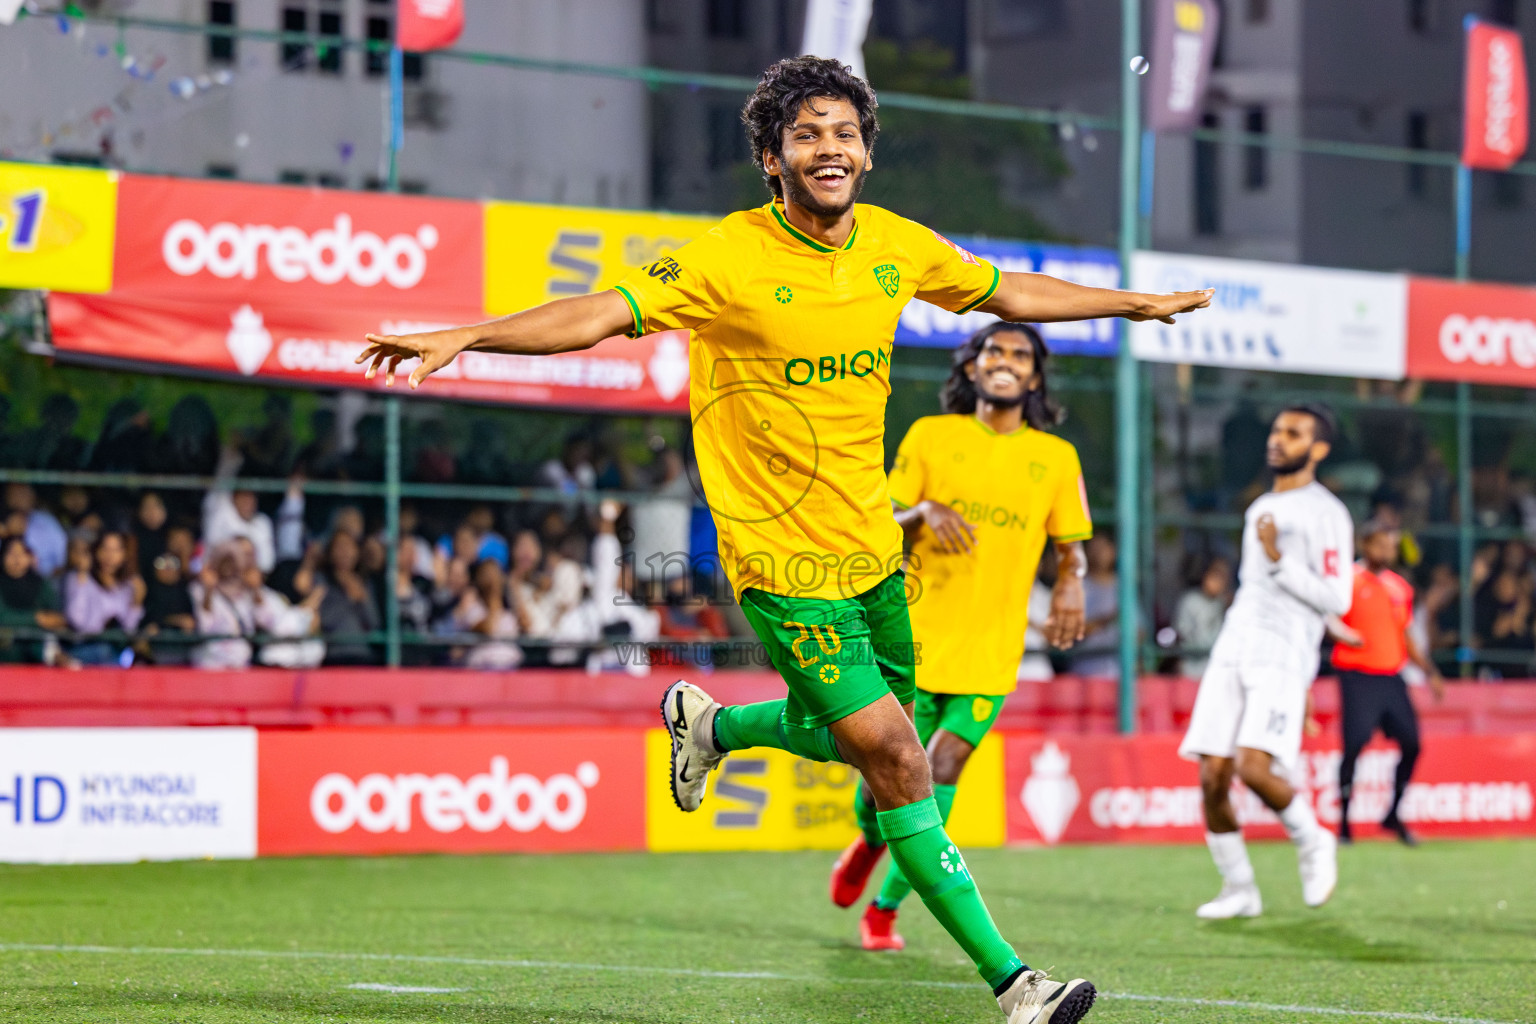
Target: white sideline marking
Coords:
[[374, 986], [690, 972]]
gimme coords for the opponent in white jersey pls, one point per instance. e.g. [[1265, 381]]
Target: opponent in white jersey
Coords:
[[1298, 548]]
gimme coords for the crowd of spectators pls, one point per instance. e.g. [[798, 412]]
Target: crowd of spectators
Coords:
[[225, 579]]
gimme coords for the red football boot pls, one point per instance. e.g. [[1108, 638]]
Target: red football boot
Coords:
[[851, 872], [877, 929]]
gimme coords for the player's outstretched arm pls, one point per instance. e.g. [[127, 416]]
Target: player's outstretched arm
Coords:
[[1038, 298], [564, 325]]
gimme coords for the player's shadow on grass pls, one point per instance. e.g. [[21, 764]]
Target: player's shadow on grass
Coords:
[[1328, 939]]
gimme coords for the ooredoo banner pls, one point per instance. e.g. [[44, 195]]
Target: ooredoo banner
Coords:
[[1274, 316], [319, 345], [1484, 333], [1496, 100], [235, 242], [1137, 789], [361, 791], [84, 796]]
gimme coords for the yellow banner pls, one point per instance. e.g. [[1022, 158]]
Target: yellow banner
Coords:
[[771, 800], [57, 226], [534, 253]]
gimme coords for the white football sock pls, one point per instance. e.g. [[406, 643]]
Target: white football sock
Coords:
[[1299, 821], [1231, 856]]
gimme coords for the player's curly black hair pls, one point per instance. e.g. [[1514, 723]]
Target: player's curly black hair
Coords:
[[959, 391], [785, 87]]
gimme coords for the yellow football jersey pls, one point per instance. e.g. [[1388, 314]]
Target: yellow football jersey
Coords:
[[969, 611], [789, 375]]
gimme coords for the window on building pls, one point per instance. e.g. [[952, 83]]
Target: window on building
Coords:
[[726, 19], [379, 27], [1417, 137], [1420, 14], [1258, 11], [727, 141], [292, 177], [295, 54], [1505, 12], [222, 171], [221, 48], [330, 181], [1207, 181], [1255, 158], [1509, 190], [329, 24]]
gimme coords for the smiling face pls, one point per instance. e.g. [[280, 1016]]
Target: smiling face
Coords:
[[824, 160], [1004, 369]]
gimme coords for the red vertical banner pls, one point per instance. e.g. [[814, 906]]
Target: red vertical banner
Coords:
[[1496, 115], [429, 24]]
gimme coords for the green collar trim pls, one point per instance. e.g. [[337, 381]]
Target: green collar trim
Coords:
[[1024, 428], [807, 239]]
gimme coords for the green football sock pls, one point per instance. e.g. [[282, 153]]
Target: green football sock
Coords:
[[938, 873], [762, 725], [866, 815], [896, 886]]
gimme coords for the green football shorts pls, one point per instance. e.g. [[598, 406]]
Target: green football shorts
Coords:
[[967, 715], [837, 655]]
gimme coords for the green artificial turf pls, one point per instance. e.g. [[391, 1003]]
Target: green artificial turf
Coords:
[[1446, 931]]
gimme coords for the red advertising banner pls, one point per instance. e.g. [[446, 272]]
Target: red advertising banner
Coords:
[[370, 791], [1137, 789], [235, 242], [319, 344], [429, 24], [1496, 118], [1484, 333], [1183, 44]]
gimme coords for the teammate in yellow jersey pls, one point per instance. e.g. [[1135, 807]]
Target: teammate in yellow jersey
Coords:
[[792, 309], [978, 492]]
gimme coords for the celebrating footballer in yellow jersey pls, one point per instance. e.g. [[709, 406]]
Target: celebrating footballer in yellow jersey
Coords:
[[792, 309], [978, 491]]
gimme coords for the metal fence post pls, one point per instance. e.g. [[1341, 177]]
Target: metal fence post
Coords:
[[1465, 525], [392, 529], [1127, 503]]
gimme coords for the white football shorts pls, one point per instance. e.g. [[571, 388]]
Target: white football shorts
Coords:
[[1253, 696]]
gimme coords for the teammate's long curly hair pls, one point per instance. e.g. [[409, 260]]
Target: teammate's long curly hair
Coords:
[[785, 87], [959, 391]]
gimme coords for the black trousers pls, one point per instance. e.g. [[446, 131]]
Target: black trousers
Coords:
[[1374, 702]]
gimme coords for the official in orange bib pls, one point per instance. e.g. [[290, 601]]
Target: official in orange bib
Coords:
[[1373, 645]]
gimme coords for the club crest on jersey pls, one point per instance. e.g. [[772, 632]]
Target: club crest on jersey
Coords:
[[1036, 471], [965, 256], [889, 278]]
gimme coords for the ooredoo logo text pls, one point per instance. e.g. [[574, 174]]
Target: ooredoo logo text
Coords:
[[1488, 341], [484, 802], [328, 256]]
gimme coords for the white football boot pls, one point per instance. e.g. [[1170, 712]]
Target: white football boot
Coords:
[[1034, 998], [1319, 865], [689, 714], [1232, 901]]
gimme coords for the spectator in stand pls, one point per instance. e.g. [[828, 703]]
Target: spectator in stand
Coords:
[[347, 608], [1197, 618], [661, 523], [1096, 655], [484, 609], [168, 612], [53, 444], [126, 442], [100, 594], [45, 537], [182, 542], [224, 603], [413, 599], [190, 446], [348, 519], [149, 531], [366, 459], [1510, 630], [492, 544], [1437, 615], [27, 601], [1035, 664], [78, 513], [229, 513], [572, 471], [268, 448], [434, 462], [321, 458], [686, 616]]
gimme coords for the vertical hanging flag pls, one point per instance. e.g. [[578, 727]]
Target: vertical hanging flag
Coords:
[[1183, 44], [835, 28], [429, 24], [9, 9], [1496, 114]]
